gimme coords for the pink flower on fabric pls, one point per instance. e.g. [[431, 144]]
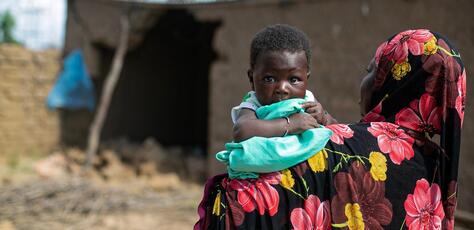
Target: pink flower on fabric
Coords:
[[258, 193], [392, 141], [423, 115], [460, 99], [374, 115], [444, 72], [379, 52], [301, 168], [340, 131], [423, 207], [450, 206], [315, 215], [407, 41]]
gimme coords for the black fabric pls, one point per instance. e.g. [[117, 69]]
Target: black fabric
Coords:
[[384, 172]]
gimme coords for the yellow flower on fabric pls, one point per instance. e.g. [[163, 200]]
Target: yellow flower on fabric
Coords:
[[399, 70], [430, 47], [287, 180], [216, 209], [355, 221], [318, 162], [378, 167]]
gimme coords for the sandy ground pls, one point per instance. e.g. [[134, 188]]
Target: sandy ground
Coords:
[[28, 201]]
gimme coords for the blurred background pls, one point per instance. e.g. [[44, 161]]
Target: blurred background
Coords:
[[155, 81]]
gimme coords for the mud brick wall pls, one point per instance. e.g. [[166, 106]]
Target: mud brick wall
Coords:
[[26, 125]]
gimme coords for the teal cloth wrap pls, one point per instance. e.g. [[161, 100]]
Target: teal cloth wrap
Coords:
[[263, 155]]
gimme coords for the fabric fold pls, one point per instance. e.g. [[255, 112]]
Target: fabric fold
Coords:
[[256, 155]]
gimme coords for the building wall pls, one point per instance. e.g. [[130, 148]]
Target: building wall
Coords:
[[26, 125], [345, 35]]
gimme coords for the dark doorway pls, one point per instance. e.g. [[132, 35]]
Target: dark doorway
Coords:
[[164, 86]]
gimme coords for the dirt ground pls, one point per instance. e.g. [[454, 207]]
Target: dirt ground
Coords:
[[33, 198], [51, 192]]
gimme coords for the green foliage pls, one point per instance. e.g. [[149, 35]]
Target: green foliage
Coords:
[[7, 23]]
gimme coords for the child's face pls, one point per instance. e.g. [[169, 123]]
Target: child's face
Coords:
[[279, 75]]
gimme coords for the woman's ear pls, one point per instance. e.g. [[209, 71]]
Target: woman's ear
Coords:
[[250, 76]]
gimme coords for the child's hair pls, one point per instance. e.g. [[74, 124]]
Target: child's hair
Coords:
[[279, 37]]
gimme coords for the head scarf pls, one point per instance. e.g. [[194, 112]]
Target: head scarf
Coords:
[[420, 85]]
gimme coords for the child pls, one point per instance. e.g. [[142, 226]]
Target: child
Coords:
[[280, 57], [278, 107]]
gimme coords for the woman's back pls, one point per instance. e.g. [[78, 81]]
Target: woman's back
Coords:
[[344, 184], [384, 173]]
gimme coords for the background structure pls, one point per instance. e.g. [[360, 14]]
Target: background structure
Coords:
[[186, 65]]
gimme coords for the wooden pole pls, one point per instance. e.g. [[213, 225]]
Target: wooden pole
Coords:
[[111, 80]]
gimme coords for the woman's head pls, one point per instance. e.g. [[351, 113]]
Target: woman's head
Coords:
[[417, 80], [279, 63], [419, 83], [366, 89]]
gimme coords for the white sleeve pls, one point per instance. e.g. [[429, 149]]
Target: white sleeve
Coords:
[[234, 113], [309, 96]]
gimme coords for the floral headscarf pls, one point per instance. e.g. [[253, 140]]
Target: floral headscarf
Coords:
[[420, 84]]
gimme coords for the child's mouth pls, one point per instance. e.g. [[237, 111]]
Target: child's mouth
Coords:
[[278, 99]]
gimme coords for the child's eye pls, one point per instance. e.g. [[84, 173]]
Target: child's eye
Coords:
[[268, 79], [294, 80]]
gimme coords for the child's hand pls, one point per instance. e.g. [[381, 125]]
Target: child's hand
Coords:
[[315, 109], [300, 122]]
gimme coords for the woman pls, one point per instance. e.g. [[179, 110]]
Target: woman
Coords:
[[385, 172]]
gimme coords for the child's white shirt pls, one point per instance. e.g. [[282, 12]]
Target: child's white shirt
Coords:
[[251, 102]]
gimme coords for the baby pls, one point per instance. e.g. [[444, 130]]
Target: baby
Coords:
[[280, 57], [278, 107]]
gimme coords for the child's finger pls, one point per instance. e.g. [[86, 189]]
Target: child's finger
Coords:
[[311, 110], [308, 104], [316, 124]]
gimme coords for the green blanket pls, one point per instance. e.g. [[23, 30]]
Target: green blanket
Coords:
[[263, 155]]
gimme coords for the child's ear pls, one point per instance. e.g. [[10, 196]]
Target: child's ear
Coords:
[[308, 74], [250, 76]]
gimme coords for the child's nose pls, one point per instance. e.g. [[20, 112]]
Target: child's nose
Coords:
[[282, 88]]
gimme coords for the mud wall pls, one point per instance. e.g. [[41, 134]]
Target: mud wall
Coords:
[[26, 125]]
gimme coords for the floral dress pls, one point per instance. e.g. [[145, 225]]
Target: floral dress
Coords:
[[384, 172]]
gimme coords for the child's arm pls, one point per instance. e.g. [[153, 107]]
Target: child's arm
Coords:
[[315, 109], [247, 125]]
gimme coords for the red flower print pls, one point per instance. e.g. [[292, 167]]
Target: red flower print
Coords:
[[450, 206], [234, 214], [379, 52], [357, 188], [258, 193], [374, 115], [422, 116], [383, 65], [392, 141], [410, 40], [340, 131], [300, 168], [315, 215], [444, 72], [423, 207], [461, 99]]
